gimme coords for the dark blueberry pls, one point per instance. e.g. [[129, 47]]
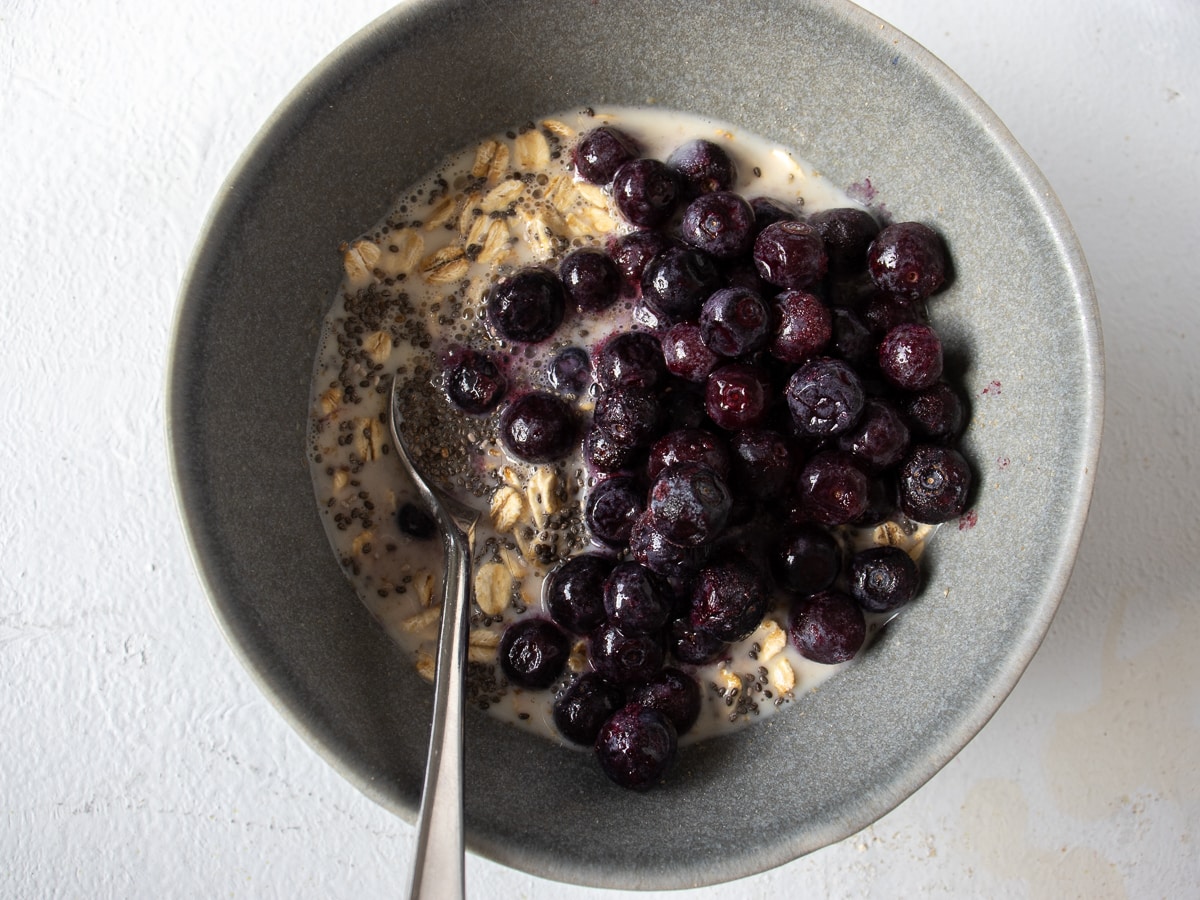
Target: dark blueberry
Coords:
[[934, 484], [646, 192], [676, 283], [692, 646], [808, 559], [636, 747], [833, 489], [673, 693], [611, 509], [768, 211], [910, 357], [790, 255], [735, 321], [570, 371], [527, 307], [606, 454], [632, 252], [415, 522], [590, 279], [635, 599], [879, 438], [852, 339], [625, 657], [825, 397], [908, 259], [803, 326], [721, 224], [827, 628], [847, 233], [474, 384], [538, 427], [632, 358], [763, 462], [737, 396], [574, 592], [602, 151], [649, 546], [686, 354], [688, 445], [883, 579], [583, 708], [683, 402], [881, 312], [881, 502], [533, 653], [690, 504], [630, 415], [703, 167], [936, 412], [729, 599]]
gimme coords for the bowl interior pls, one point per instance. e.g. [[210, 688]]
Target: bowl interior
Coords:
[[858, 100]]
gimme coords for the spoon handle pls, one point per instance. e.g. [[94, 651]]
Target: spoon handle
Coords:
[[438, 869]]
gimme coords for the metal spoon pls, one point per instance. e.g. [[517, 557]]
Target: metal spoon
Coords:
[[438, 868]]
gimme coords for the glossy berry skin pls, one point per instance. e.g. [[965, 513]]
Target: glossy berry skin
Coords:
[[415, 522], [768, 211], [632, 252], [636, 747], [611, 509], [735, 321], [808, 559], [828, 627], [685, 353], [737, 395], [833, 488], [790, 255], [935, 483], [646, 192], [908, 259], [879, 439], [672, 692], [676, 283], [937, 412], [633, 358], [910, 356], [803, 326], [692, 646], [882, 312], [763, 462], [688, 445], [574, 592], [606, 454], [847, 233], [591, 282], [570, 371], [690, 504], [635, 599], [538, 427], [702, 167], [474, 384], [583, 708], [625, 657], [729, 600], [533, 653], [721, 224], [527, 307], [649, 546], [630, 415], [825, 397], [602, 151], [883, 579]]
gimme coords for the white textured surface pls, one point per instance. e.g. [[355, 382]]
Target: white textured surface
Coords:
[[140, 760]]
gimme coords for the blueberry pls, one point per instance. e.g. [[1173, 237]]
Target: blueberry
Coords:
[[735, 321], [763, 462], [606, 454], [690, 504], [703, 167], [721, 224], [827, 627], [768, 211], [676, 282], [629, 415], [611, 509], [574, 592], [632, 252], [645, 192], [847, 233], [737, 395], [790, 255], [636, 747], [570, 371], [602, 151], [908, 259], [883, 579], [688, 445], [474, 384], [879, 438], [851, 338], [685, 353], [729, 599], [583, 708], [808, 559], [635, 600], [937, 412], [538, 427], [934, 484], [803, 326], [881, 312], [649, 546], [825, 397], [591, 282], [526, 307], [625, 657], [415, 522], [833, 488], [910, 357], [533, 653], [632, 358], [673, 693], [692, 646]]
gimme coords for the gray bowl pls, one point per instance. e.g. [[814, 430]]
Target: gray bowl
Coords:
[[845, 91]]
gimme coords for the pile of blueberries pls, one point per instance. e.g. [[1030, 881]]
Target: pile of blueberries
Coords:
[[786, 382]]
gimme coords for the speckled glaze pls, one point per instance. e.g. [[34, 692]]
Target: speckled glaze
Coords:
[[845, 91]]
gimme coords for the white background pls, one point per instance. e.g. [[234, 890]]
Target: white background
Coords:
[[138, 758]]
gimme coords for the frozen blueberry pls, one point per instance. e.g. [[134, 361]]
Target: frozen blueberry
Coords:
[[685, 353], [583, 708], [649, 546], [937, 412], [737, 395], [825, 397], [910, 356], [538, 427], [632, 252], [606, 454], [590, 279], [807, 559], [570, 371], [768, 211], [702, 167], [881, 312], [415, 522], [611, 509], [847, 233], [908, 259], [790, 255], [934, 484], [602, 151], [629, 358], [474, 384], [672, 692], [574, 592], [636, 747], [735, 321], [645, 192], [526, 307], [677, 281], [635, 599], [533, 653], [690, 504], [721, 224], [803, 326], [729, 599], [883, 579], [625, 657], [692, 646], [833, 488], [630, 415], [688, 445], [879, 438], [763, 462], [827, 627]]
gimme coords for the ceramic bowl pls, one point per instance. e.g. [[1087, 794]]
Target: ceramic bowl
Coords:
[[845, 91]]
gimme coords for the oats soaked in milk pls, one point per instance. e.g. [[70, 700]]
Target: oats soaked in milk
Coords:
[[412, 307]]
